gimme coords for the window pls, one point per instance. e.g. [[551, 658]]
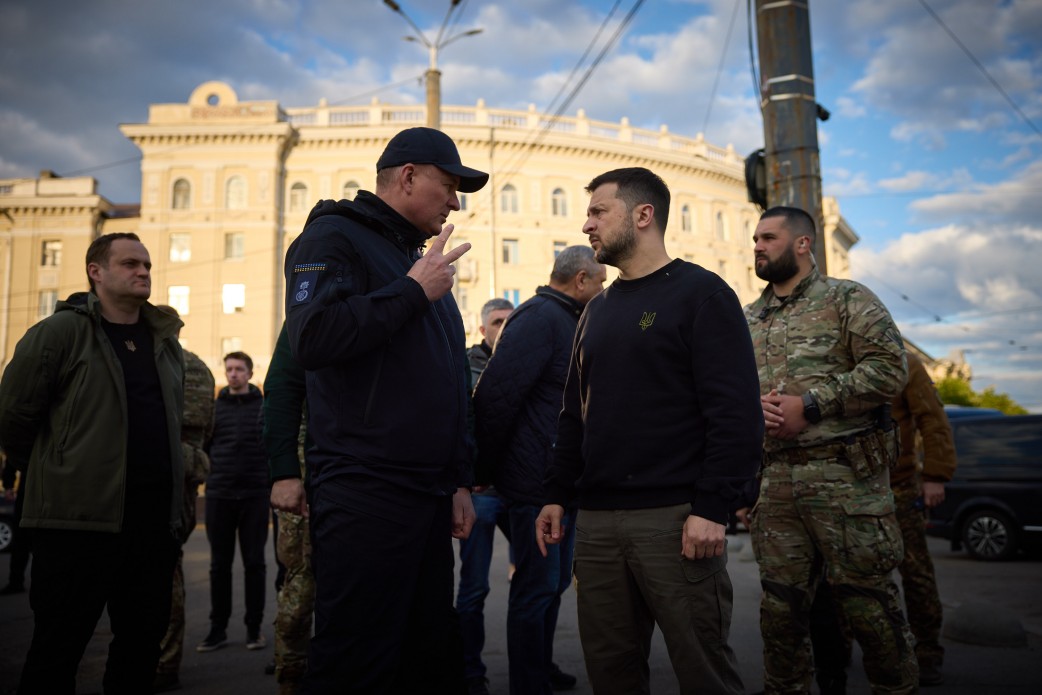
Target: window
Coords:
[[180, 247], [46, 304], [463, 298], [508, 199], [177, 297], [685, 218], [721, 269], [234, 246], [748, 230], [51, 253], [559, 203], [721, 227], [351, 189], [512, 296], [182, 199], [233, 298], [231, 344], [6, 189], [235, 193], [462, 201], [298, 197], [559, 246], [510, 252]]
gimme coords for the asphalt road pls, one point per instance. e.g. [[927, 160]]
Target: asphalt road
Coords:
[[1011, 587]]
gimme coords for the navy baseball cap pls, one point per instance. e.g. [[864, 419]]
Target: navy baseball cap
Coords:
[[430, 146]]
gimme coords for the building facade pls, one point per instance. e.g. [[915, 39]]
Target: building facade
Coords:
[[226, 186]]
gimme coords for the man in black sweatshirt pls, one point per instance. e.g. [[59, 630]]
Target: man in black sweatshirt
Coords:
[[661, 428]]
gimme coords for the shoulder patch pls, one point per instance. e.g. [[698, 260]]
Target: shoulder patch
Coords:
[[304, 285], [308, 267]]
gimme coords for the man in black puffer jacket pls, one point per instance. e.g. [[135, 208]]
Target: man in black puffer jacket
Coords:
[[516, 403], [237, 502]]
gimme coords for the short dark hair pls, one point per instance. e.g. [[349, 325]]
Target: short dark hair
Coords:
[[797, 221], [101, 248], [570, 261], [638, 186], [240, 355]]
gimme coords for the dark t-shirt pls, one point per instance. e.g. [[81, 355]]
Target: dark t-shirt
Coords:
[[148, 445]]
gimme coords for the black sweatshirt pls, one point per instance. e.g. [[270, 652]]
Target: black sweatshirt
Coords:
[[662, 402]]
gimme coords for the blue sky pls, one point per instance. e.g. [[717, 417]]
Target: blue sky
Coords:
[[938, 174]]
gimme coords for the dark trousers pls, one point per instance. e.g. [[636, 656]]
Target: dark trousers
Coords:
[[75, 575], [247, 518], [535, 600], [384, 621], [475, 559], [20, 547]]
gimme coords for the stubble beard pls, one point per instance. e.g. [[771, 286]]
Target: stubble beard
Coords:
[[619, 249]]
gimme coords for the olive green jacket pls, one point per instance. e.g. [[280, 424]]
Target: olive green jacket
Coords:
[[63, 413]]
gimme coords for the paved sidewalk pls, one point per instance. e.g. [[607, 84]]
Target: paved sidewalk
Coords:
[[1012, 586]]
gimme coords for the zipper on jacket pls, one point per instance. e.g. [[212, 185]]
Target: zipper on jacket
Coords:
[[67, 425]]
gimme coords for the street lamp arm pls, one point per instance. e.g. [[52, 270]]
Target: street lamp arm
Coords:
[[419, 32], [471, 32]]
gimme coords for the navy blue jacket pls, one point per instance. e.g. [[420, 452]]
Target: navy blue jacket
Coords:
[[518, 398], [386, 368]]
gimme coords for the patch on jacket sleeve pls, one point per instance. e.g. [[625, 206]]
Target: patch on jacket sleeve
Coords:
[[305, 279]]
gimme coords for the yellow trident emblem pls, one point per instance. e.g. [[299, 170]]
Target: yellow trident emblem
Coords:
[[646, 320]]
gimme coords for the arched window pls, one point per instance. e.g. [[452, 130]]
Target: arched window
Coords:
[[235, 193], [685, 218], [721, 227], [351, 189], [298, 197], [559, 203], [508, 199], [182, 195]]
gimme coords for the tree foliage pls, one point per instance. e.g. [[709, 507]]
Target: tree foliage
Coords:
[[955, 391]]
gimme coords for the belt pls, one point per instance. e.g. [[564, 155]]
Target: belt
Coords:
[[836, 448]]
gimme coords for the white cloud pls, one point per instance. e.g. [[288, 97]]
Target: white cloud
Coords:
[[850, 108]]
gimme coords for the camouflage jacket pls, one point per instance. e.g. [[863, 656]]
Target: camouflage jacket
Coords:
[[918, 409], [835, 339], [198, 418]]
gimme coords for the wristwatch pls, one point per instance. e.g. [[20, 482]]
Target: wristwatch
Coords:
[[811, 411]]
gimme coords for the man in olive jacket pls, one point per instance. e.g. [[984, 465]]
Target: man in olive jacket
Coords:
[[92, 403]]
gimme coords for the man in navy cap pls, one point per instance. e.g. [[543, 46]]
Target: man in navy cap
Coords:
[[372, 321]]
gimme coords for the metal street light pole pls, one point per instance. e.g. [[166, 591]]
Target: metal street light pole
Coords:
[[433, 76]]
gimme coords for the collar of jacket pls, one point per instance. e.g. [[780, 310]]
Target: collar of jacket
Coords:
[[163, 325], [564, 300], [250, 395], [769, 299], [372, 212]]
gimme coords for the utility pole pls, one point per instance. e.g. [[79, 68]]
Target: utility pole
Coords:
[[789, 110], [433, 76]]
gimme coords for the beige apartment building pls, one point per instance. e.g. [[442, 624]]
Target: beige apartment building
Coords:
[[226, 186]]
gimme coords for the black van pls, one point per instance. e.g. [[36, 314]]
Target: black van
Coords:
[[993, 505]]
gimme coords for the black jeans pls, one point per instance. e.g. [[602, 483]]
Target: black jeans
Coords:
[[75, 575], [249, 519]]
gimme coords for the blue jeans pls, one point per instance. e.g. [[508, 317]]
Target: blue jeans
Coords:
[[535, 599], [475, 556]]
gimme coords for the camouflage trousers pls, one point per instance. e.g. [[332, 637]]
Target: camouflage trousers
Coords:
[[813, 520], [172, 646], [922, 601], [295, 602]]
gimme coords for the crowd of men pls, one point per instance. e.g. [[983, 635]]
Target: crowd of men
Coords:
[[608, 432]]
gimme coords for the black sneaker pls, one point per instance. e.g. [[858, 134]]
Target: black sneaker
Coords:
[[559, 680], [269, 668], [930, 676], [214, 641], [255, 639], [478, 685]]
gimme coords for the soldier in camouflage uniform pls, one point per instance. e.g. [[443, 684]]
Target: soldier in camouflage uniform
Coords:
[[284, 435], [195, 430], [829, 356], [918, 486]]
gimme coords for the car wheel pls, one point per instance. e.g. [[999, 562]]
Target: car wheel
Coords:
[[989, 535], [6, 534]]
